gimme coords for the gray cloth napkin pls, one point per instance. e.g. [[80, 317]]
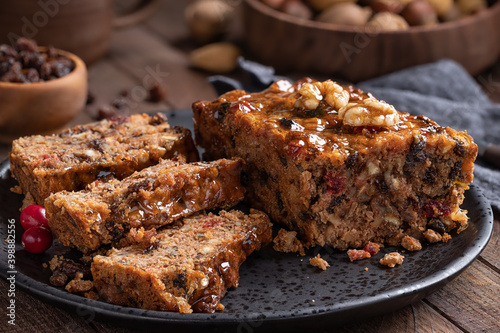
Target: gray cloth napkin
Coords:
[[447, 94]]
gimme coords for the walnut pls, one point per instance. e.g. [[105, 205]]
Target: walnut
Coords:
[[311, 94], [369, 112]]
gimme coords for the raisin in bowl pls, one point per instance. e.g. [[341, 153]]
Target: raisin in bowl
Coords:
[[43, 102]]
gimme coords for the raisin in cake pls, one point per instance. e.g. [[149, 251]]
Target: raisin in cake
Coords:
[[339, 166], [185, 267], [149, 198], [76, 157]]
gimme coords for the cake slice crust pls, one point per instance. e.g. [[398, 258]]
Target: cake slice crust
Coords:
[[150, 198], [188, 268], [115, 147], [338, 166]]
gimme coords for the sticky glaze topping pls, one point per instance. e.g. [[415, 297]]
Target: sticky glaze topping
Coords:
[[284, 109]]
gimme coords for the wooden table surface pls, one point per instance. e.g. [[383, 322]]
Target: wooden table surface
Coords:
[[470, 303]]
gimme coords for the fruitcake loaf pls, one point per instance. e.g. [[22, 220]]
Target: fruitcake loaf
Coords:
[[76, 157], [105, 211], [185, 267], [339, 166]]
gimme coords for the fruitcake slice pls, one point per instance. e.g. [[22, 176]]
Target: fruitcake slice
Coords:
[[149, 198], [76, 157], [184, 267], [339, 166]]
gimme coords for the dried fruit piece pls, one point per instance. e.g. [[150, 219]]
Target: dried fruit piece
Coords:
[[372, 248], [357, 254]]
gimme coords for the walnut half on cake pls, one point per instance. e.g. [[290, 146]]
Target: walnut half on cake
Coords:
[[339, 166]]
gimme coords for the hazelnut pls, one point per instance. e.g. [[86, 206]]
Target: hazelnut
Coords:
[[387, 21], [469, 7], [208, 19], [276, 4], [219, 57], [441, 6], [419, 12], [392, 6], [298, 9], [324, 4], [453, 14], [346, 13]]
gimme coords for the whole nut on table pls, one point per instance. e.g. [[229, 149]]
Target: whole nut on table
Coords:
[[221, 57], [208, 19]]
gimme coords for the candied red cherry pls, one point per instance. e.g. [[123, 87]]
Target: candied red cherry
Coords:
[[37, 239], [34, 216]]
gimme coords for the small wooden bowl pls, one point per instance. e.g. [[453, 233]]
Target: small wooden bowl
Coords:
[[290, 44], [42, 107]]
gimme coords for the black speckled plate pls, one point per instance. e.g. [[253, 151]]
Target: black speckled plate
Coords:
[[277, 292]]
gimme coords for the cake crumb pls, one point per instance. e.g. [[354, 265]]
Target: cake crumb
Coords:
[[392, 259], [286, 241], [358, 254], [366, 269], [411, 243], [27, 201], [319, 262], [446, 237], [432, 236], [16, 189], [78, 285], [220, 307], [91, 295]]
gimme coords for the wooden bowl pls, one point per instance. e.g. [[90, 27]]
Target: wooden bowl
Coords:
[[290, 44], [42, 107]]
